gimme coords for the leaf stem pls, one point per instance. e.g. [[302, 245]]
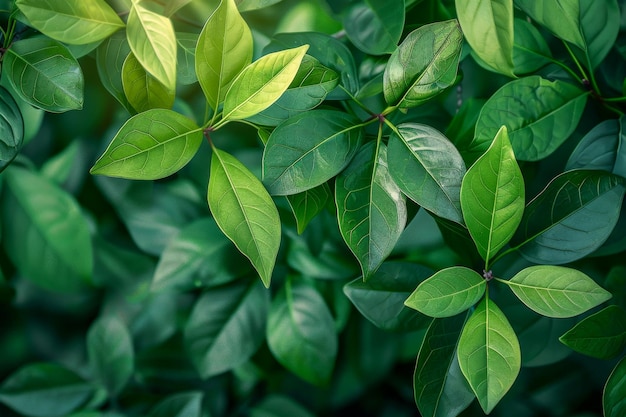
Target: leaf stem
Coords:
[[578, 65], [358, 102]]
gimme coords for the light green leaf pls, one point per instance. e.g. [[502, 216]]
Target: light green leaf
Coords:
[[245, 212], [614, 394], [44, 74], [226, 326], [556, 291], [75, 22], [448, 292], [186, 56], [144, 91], [530, 49], [261, 83], [539, 115], [492, 197], [150, 145], [424, 65], [428, 169], [186, 404], [561, 17], [600, 25], [172, 6], [224, 49], [309, 149], [11, 129], [375, 26], [601, 335], [488, 28], [110, 57], [489, 354], [152, 39], [371, 210], [308, 204]]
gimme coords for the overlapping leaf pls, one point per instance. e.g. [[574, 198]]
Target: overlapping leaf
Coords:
[[144, 91], [530, 49], [186, 56], [600, 25], [110, 57], [11, 129], [602, 148], [308, 204], [375, 26], [561, 17], [614, 395]]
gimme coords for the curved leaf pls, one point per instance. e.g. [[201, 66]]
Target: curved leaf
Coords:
[[530, 49], [11, 129], [600, 25], [614, 394], [186, 404], [448, 292], [375, 26], [110, 57], [186, 56], [309, 149], [556, 291], [424, 64], [143, 91], [245, 212], [308, 204], [492, 197], [602, 148], [427, 168], [561, 17], [489, 354]]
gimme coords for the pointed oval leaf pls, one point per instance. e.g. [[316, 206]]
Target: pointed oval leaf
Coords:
[[150, 145], [530, 49], [44, 74], [186, 404], [375, 26], [488, 28], [571, 217], [224, 49], [601, 335], [11, 129], [539, 115], [561, 17], [75, 22], [424, 64], [261, 83], [489, 354], [226, 326], [602, 148], [110, 57], [448, 292], [428, 169], [245, 212], [144, 91], [556, 291], [371, 210], [614, 394], [600, 25], [492, 197], [309, 149], [308, 204], [186, 56]]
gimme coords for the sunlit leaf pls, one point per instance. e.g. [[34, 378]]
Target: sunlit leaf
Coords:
[[561, 17], [614, 394], [11, 129], [246, 5], [375, 26], [144, 91]]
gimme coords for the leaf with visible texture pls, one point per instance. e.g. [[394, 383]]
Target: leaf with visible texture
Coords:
[[561, 17], [489, 354], [150, 145], [186, 404], [110, 57], [601, 335], [186, 56], [308, 204], [11, 129], [375, 26], [602, 148], [245, 212], [143, 91], [614, 394]]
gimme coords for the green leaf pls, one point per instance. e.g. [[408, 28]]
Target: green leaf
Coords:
[[110, 57], [530, 49], [556, 291], [380, 299], [614, 394], [462, 128], [448, 292], [561, 17], [439, 387], [45, 390], [245, 212], [602, 148], [224, 49], [301, 332], [308, 204], [150, 145], [488, 28], [186, 56], [492, 197], [74, 22], [11, 129], [44, 232], [44, 74], [247, 5], [274, 405], [152, 39], [261, 83], [226, 326], [309, 149], [600, 25], [539, 115], [172, 6], [601, 335], [186, 404], [371, 210], [375, 26], [571, 217], [143, 91], [489, 354], [427, 168], [424, 64], [110, 352]]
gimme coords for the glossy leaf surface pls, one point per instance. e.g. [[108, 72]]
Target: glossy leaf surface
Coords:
[[600, 25], [530, 49], [375, 26], [143, 91], [602, 148], [561, 17], [308, 204], [614, 395], [11, 129]]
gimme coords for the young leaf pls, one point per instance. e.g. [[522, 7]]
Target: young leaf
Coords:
[[152, 39], [530, 49], [224, 49], [556, 291], [614, 394], [11, 129], [488, 28], [375, 26], [308, 204], [492, 197], [571, 217], [143, 91], [44, 74], [226, 326], [150, 145], [427, 168], [301, 332], [371, 210], [75, 22], [309, 149], [186, 404], [424, 64], [261, 83], [448, 292], [601, 335], [489, 354], [110, 57], [186, 56], [245, 212], [561, 17]]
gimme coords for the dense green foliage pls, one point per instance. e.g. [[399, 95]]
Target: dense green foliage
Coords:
[[308, 207]]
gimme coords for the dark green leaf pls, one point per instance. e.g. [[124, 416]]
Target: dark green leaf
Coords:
[[530, 49], [561, 17], [614, 395], [110, 57], [375, 26], [308, 204], [279, 406], [144, 91], [602, 148], [462, 127], [188, 404], [11, 129], [600, 24]]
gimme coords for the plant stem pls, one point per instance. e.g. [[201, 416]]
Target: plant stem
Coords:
[[578, 65]]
